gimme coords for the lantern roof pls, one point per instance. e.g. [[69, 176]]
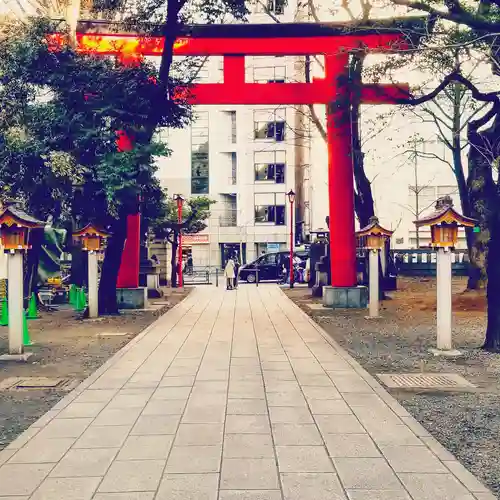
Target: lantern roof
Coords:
[[92, 229], [374, 228], [444, 213], [12, 215]]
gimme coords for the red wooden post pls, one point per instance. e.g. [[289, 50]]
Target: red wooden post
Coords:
[[340, 175]]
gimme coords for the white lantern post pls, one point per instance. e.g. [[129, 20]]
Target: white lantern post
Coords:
[[92, 238], [15, 227], [444, 224], [373, 238]]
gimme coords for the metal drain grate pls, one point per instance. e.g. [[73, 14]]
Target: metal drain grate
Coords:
[[37, 383], [424, 381]]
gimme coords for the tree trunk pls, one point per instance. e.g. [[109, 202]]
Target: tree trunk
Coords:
[[173, 260], [111, 266], [363, 201], [492, 341], [32, 260]]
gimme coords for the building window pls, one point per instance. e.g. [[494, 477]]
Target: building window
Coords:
[[270, 124], [200, 154], [264, 72], [233, 127], [270, 166], [272, 6], [270, 208], [234, 168]]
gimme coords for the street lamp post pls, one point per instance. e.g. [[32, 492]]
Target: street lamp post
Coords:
[[180, 200], [291, 199]]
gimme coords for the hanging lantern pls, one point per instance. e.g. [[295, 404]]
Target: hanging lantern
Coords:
[[373, 236], [92, 237], [444, 223], [15, 227]]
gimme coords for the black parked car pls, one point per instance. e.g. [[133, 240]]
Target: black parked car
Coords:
[[269, 265]]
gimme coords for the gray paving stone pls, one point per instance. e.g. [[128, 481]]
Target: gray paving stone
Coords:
[[438, 449], [155, 424], [315, 380], [320, 392], [76, 488], [204, 400], [177, 381], [165, 407], [103, 437], [393, 435], [165, 393], [296, 434], [204, 415], [303, 459], [377, 495], [28, 434], [22, 479], [250, 495], [412, 459], [133, 475], [131, 495], [366, 474], [363, 400], [65, 428], [181, 371], [212, 375], [328, 407], [84, 463], [339, 424], [199, 435], [129, 400], [291, 415], [248, 446], [6, 454], [39, 451], [309, 486], [295, 399], [203, 387], [246, 407], [146, 447], [434, 486], [80, 410], [194, 459], [247, 424], [189, 487], [350, 382], [117, 416], [46, 418], [350, 445], [249, 473]]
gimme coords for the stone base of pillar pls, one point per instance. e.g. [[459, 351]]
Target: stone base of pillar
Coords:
[[452, 353], [132, 298], [153, 285], [355, 297], [25, 356]]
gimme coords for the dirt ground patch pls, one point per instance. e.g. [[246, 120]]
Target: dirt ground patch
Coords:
[[468, 424], [66, 347]]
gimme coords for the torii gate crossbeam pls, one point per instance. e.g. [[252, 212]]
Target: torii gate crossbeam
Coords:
[[334, 41]]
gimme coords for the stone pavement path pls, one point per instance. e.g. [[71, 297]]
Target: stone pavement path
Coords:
[[231, 396]]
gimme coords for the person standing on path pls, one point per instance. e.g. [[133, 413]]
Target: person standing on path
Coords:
[[237, 266], [229, 273]]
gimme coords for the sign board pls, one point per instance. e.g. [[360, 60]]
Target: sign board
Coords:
[[195, 239], [273, 247]]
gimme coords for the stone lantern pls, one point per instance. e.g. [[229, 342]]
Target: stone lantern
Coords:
[[373, 238], [92, 239], [15, 228], [444, 223]]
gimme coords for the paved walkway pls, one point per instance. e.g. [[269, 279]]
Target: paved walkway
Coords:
[[231, 396]]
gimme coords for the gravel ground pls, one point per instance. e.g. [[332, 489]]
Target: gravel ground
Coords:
[[466, 423], [65, 347]]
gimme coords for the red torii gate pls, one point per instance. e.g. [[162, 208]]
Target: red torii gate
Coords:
[[335, 41]]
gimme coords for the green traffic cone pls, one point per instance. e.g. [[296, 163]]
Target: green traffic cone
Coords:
[[26, 335], [4, 317], [32, 311], [72, 295], [80, 301]]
